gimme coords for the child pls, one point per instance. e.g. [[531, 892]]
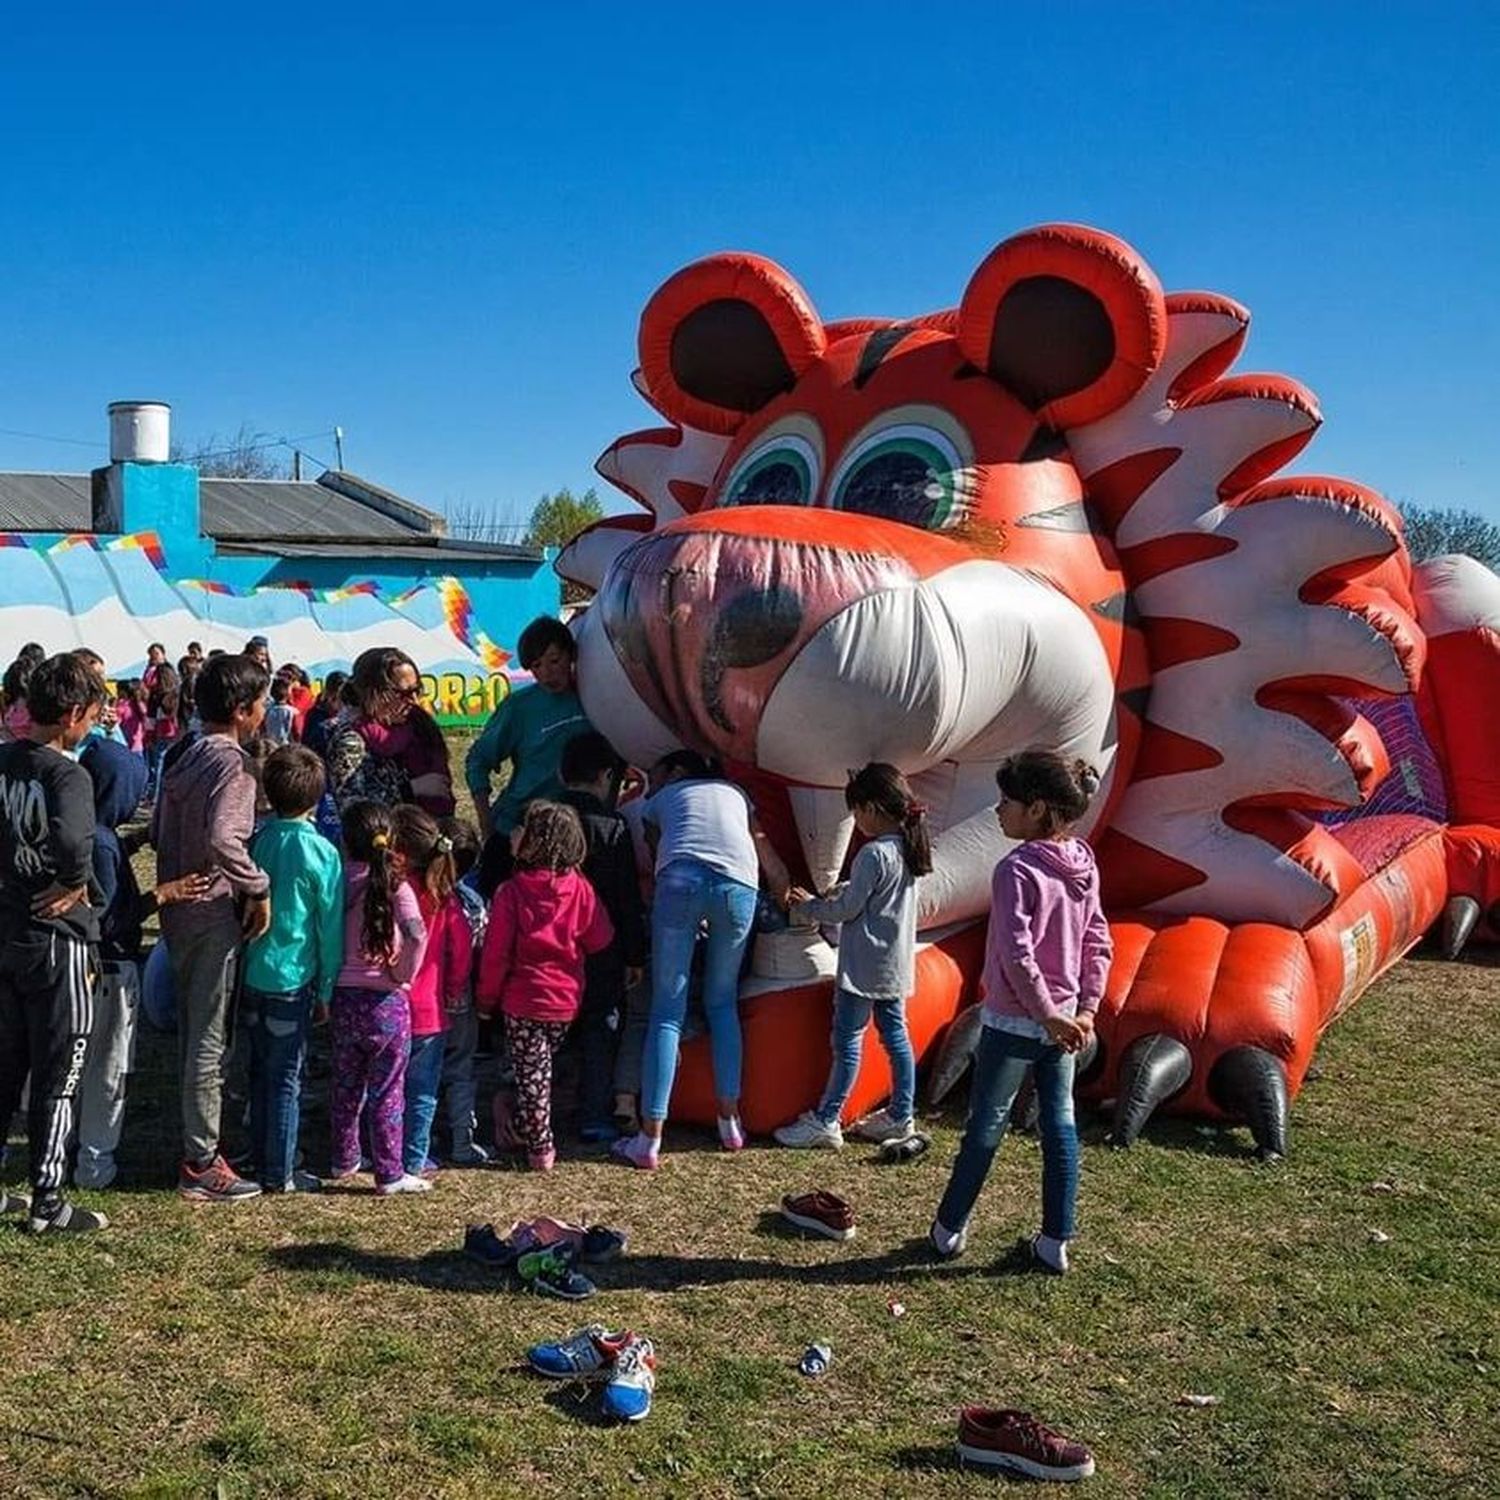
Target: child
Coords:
[[877, 910], [384, 936], [528, 729], [544, 922], [1046, 960], [461, 1039], [48, 929], [203, 822], [442, 980], [131, 713], [290, 968], [280, 715], [591, 769]]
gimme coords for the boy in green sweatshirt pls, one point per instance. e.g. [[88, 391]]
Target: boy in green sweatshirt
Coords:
[[291, 967]]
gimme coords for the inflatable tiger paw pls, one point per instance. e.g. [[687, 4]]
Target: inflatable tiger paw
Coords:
[[1048, 516]]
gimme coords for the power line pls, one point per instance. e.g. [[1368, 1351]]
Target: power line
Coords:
[[42, 437]]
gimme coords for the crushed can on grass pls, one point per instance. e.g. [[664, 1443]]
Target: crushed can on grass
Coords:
[[815, 1360]]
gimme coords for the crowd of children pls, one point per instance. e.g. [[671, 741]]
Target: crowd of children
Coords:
[[301, 885]]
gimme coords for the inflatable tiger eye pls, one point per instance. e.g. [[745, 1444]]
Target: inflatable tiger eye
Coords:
[[1047, 516]]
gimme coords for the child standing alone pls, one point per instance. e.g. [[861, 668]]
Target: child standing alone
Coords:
[[877, 912], [384, 936], [1046, 960], [290, 969], [544, 922]]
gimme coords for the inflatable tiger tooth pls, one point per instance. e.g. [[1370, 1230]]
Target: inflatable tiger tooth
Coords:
[[1045, 516]]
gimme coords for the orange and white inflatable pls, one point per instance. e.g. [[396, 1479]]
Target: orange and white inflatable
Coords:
[[1048, 516]]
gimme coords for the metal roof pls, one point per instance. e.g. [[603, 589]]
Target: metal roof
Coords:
[[236, 509], [438, 550]]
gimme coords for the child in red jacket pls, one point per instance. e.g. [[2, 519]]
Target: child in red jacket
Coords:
[[544, 921]]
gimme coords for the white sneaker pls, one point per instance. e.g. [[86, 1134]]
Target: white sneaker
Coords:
[[808, 1132], [881, 1127], [948, 1243], [406, 1183]]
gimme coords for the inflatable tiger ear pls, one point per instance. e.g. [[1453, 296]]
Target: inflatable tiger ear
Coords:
[[1071, 321], [724, 337]]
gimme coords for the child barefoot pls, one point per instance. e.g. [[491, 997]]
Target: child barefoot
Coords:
[[877, 910], [384, 936], [544, 922], [1046, 960], [440, 982]]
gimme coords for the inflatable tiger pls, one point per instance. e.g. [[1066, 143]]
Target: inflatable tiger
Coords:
[[1045, 517]]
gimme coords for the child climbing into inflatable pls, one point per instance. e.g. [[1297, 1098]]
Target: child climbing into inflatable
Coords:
[[544, 923], [876, 909], [1046, 961]]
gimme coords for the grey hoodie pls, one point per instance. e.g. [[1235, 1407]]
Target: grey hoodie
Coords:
[[203, 821]]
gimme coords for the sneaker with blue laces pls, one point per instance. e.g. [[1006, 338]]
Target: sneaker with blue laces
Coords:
[[551, 1273], [588, 1354], [627, 1396]]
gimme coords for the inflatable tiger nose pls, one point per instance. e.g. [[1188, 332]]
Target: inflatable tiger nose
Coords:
[[1044, 517]]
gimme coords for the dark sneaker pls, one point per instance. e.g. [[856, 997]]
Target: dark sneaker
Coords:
[[588, 1354], [298, 1182], [14, 1203], [601, 1244], [218, 1182], [551, 1273], [599, 1133], [1016, 1441], [59, 1217], [822, 1213], [481, 1243]]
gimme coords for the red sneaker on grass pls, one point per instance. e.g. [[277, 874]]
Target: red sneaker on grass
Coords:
[[1015, 1440], [218, 1182]]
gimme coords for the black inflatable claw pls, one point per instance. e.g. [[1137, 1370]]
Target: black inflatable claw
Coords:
[[1460, 918], [955, 1054], [1249, 1084], [1153, 1069]]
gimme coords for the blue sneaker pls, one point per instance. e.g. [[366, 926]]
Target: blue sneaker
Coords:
[[627, 1396], [588, 1354], [598, 1133], [551, 1273], [481, 1243]]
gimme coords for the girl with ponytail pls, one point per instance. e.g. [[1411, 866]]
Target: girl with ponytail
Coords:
[[877, 912], [1046, 959], [441, 983], [384, 939]]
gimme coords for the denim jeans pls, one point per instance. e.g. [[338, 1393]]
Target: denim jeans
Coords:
[[276, 1029], [1000, 1063], [689, 893], [851, 1014], [424, 1073]]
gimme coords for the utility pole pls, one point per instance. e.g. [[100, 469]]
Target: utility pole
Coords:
[[338, 445], [297, 464]]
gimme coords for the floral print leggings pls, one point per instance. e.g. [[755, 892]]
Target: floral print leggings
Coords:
[[371, 1036], [532, 1045]]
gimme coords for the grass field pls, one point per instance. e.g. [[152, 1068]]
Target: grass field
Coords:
[[341, 1346]]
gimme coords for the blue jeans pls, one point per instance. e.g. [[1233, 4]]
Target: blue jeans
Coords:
[[689, 893], [851, 1014], [1000, 1063], [276, 1026], [424, 1073]]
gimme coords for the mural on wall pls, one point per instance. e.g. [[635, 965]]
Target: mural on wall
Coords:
[[114, 596]]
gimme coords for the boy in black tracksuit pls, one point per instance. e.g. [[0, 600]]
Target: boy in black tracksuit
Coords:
[[48, 930], [590, 773]]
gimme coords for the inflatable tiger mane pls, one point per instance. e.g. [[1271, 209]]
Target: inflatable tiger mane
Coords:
[[1048, 516]]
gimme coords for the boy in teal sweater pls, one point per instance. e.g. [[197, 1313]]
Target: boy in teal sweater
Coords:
[[291, 967], [530, 730]]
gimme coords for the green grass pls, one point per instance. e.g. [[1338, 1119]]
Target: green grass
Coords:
[[340, 1347]]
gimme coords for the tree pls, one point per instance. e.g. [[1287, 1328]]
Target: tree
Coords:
[[1432, 531], [556, 519], [247, 455]]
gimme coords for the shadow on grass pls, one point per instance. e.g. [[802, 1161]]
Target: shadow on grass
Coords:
[[925, 1457], [452, 1271]]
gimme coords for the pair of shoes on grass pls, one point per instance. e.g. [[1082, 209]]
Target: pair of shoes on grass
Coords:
[[593, 1245], [809, 1133], [624, 1362], [1039, 1253]]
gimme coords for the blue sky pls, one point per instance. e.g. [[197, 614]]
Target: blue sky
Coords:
[[437, 227]]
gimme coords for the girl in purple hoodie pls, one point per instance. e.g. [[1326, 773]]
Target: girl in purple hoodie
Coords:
[[1046, 959]]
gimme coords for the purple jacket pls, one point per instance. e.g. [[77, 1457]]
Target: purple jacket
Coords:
[[203, 821], [1049, 948]]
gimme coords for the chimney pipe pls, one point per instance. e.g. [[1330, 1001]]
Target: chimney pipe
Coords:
[[140, 432]]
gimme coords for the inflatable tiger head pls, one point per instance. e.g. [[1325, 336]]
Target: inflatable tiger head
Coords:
[[1032, 519]]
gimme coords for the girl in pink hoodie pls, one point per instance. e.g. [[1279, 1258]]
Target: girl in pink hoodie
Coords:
[[544, 921], [1046, 961]]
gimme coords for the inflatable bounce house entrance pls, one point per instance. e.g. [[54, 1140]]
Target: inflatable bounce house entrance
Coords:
[[1050, 516]]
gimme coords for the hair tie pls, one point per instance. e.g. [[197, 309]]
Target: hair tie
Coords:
[[381, 841], [915, 809], [444, 844]]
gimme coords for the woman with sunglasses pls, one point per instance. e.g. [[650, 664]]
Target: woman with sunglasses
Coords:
[[386, 747]]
